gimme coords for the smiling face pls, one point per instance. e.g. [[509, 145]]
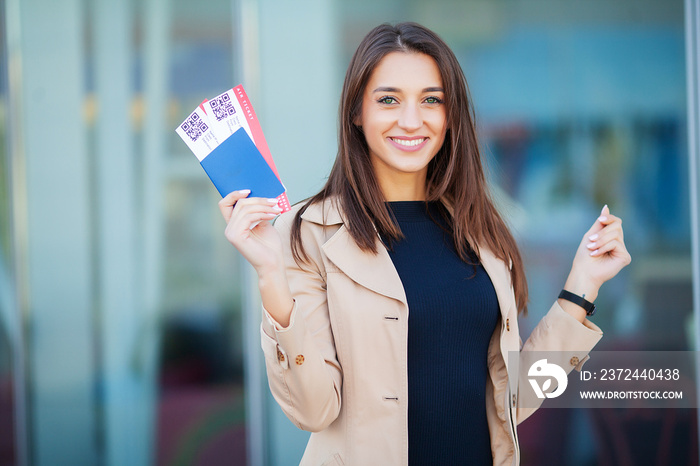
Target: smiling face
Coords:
[[404, 122]]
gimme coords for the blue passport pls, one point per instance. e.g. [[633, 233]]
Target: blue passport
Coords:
[[237, 164]]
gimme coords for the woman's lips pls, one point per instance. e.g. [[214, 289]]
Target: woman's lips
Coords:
[[408, 144]]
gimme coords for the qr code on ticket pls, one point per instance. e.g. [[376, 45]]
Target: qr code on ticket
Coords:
[[222, 107], [194, 127]]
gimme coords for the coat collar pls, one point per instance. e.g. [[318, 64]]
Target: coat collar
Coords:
[[377, 273], [326, 213]]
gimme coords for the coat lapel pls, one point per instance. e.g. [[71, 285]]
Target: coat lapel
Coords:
[[500, 277], [376, 272], [498, 273], [510, 338]]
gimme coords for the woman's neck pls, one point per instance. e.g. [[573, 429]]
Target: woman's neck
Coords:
[[408, 188]]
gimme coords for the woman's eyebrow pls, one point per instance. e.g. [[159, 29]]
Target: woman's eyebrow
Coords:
[[396, 89], [387, 89]]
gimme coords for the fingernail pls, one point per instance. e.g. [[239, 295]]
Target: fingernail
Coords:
[[593, 237], [602, 218], [243, 191], [590, 245], [603, 209], [277, 208], [272, 201], [593, 253]]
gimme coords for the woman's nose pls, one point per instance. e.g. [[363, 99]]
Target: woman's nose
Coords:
[[410, 118]]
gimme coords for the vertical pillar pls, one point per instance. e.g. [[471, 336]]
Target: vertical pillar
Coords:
[[125, 409], [59, 270], [296, 91], [15, 300], [692, 49], [156, 27], [300, 83]]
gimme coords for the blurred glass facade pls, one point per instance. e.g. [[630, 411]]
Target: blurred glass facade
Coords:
[[129, 326]]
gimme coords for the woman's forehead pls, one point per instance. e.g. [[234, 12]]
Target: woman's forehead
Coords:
[[405, 71]]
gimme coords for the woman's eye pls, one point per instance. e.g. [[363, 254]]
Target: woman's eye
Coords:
[[433, 100], [387, 100]]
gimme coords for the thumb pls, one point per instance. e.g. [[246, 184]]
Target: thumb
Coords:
[[598, 225]]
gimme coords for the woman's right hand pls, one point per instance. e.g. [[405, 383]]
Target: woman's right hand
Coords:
[[249, 230]]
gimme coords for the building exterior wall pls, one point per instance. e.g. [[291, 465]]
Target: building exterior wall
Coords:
[[129, 323]]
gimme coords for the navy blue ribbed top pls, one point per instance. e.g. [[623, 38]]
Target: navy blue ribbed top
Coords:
[[453, 311]]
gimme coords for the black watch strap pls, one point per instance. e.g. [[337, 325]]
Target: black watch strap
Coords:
[[578, 300]]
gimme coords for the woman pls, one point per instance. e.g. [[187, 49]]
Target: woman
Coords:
[[391, 297]]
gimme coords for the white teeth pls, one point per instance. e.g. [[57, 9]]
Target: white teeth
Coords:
[[408, 143]]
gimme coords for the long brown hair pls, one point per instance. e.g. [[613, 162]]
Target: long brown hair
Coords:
[[455, 174]]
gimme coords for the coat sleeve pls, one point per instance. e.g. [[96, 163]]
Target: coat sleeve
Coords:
[[302, 367], [567, 342]]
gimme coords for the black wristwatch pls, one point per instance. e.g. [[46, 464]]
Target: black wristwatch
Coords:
[[578, 300]]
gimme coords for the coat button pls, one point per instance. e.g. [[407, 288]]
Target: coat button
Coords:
[[508, 325], [300, 360], [280, 356], [574, 361], [513, 401]]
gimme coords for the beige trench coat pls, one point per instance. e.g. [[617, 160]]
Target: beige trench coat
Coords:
[[339, 369]]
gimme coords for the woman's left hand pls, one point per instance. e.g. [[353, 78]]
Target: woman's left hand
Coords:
[[599, 257]]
